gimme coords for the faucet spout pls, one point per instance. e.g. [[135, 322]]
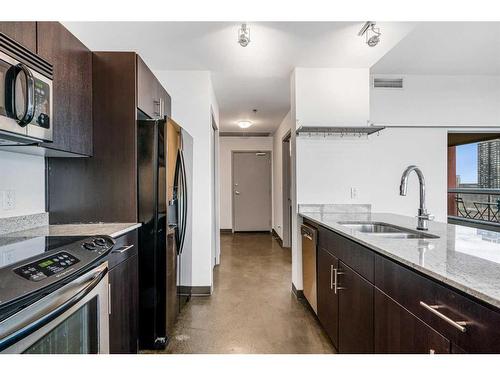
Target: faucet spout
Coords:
[[423, 216]]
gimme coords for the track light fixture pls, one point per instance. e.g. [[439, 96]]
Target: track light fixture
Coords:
[[244, 35], [372, 33]]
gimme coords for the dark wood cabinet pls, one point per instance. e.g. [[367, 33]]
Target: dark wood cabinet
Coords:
[[72, 85], [398, 331], [152, 98], [22, 32], [355, 312], [123, 319], [388, 307], [124, 295], [148, 100], [328, 301]]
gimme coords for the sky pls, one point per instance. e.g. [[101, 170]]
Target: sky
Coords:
[[467, 163]]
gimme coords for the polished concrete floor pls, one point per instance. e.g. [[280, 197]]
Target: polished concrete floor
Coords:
[[252, 309]]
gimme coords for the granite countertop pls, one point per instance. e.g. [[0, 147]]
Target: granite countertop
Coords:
[[111, 229], [465, 258]]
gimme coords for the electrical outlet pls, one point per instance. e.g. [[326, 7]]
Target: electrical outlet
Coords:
[[9, 200], [354, 193]]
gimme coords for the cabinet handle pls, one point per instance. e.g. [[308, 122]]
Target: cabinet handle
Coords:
[[434, 309], [122, 249], [109, 299], [335, 280], [432, 351], [331, 276]]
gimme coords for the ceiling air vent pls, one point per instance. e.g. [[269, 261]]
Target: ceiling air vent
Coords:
[[388, 83]]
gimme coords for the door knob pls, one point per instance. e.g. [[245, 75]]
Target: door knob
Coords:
[[236, 192]]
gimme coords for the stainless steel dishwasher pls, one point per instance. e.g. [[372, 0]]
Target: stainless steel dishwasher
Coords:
[[309, 240]]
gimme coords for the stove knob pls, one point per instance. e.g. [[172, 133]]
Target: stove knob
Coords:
[[90, 246], [100, 241]]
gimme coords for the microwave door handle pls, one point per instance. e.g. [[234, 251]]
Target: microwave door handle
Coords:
[[28, 320], [10, 94]]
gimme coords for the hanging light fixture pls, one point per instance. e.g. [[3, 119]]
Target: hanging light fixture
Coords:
[[244, 35], [372, 33], [244, 124]]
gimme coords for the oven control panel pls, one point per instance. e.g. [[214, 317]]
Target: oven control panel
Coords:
[[46, 267]]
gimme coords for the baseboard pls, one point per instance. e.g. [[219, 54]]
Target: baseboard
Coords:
[[195, 290], [298, 293], [226, 231], [277, 237]]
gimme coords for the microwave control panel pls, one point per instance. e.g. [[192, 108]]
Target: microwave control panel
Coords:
[[42, 104], [46, 267]]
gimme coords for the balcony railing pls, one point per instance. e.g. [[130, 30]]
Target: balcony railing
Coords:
[[474, 205]]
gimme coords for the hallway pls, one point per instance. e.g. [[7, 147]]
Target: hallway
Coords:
[[252, 309]]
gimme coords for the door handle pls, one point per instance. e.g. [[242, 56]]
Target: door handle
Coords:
[[236, 192]]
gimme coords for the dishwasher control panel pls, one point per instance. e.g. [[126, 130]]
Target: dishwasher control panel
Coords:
[[47, 266]]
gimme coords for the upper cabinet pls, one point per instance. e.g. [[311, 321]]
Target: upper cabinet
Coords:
[[331, 97], [152, 98], [72, 100], [22, 32]]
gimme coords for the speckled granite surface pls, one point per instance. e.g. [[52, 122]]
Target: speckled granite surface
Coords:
[[110, 229], [17, 223], [463, 257]]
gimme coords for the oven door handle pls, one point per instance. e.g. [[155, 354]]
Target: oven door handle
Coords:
[[31, 318]]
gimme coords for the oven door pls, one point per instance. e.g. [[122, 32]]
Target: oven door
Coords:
[[74, 319]]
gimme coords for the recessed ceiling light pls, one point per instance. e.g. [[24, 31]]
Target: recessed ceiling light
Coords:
[[244, 124]]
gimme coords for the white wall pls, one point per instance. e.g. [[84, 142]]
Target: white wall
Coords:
[[193, 101], [283, 129], [327, 169], [25, 176], [227, 145], [438, 100], [332, 97]]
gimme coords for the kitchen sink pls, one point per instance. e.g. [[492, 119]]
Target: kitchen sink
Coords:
[[380, 229]]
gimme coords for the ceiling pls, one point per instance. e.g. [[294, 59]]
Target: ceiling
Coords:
[[254, 77], [448, 48]]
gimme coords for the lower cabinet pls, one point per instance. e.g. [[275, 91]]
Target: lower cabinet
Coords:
[[124, 296], [399, 331], [328, 299], [355, 312]]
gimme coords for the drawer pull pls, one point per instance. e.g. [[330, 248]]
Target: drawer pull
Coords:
[[122, 249], [434, 309]]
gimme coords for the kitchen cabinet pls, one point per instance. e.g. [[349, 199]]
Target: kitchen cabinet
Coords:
[[387, 307], [328, 301], [355, 312], [72, 85], [22, 32], [152, 98], [124, 295], [399, 331]]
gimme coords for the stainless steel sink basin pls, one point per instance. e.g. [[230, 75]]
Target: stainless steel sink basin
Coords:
[[380, 229]]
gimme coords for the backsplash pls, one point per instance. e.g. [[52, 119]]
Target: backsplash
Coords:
[[22, 184], [19, 223]]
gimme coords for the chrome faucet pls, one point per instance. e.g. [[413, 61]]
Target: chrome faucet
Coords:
[[423, 216]]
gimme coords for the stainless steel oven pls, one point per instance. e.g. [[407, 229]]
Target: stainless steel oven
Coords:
[[58, 301], [70, 320], [25, 95]]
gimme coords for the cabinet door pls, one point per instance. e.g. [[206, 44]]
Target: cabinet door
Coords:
[[22, 32], [123, 320], [166, 102], [355, 312], [148, 99], [328, 301], [399, 331], [72, 97]]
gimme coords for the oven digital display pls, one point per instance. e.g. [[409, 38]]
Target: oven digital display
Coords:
[[46, 267], [46, 263]]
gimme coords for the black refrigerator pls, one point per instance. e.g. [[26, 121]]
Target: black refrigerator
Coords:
[[164, 157]]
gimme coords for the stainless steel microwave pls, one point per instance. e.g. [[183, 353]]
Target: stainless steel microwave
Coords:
[[25, 95]]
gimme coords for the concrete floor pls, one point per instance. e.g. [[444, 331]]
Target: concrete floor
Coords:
[[252, 309]]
